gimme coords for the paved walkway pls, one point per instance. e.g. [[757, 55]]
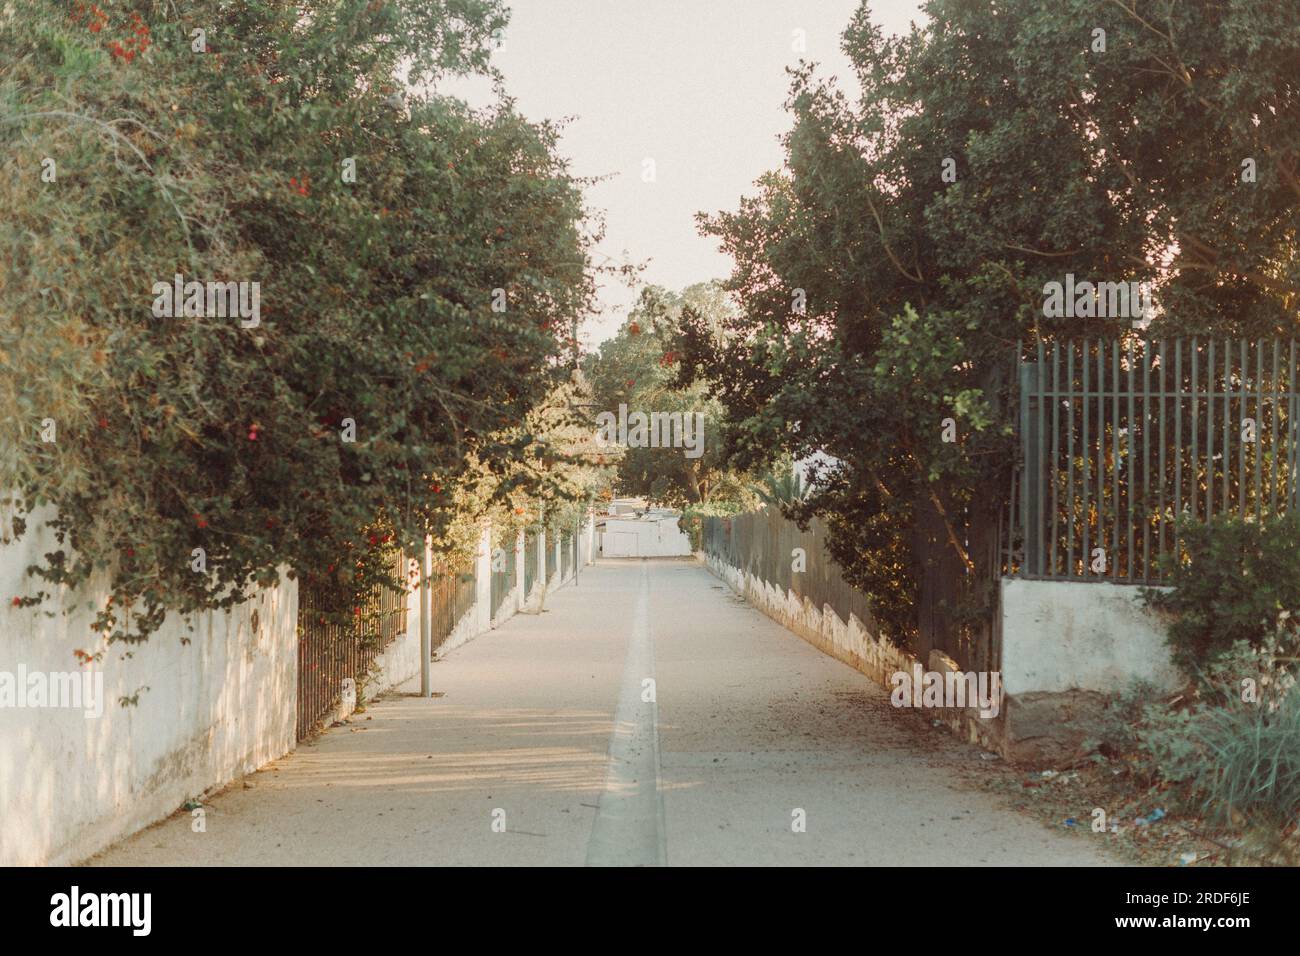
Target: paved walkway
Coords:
[[544, 748]]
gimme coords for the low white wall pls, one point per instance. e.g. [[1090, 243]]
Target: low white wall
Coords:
[[1062, 635], [400, 660], [642, 538], [215, 708]]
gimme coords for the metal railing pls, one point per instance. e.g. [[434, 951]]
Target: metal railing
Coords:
[[762, 543], [452, 596], [1122, 439], [504, 577], [333, 647]]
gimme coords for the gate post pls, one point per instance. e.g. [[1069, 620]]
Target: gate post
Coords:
[[483, 580], [1031, 485], [541, 555], [520, 573], [426, 622]]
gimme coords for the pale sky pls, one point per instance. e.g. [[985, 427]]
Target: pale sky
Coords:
[[697, 86]]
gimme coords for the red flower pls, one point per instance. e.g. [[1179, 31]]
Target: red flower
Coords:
[[103, 423], [200, 521], [18, 602]]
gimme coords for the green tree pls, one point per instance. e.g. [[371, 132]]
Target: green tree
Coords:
[[639, 368], [887, 272]]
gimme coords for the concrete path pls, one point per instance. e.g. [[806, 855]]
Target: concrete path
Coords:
[[648, 716]]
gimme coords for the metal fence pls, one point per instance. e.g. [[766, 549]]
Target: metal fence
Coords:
[[336, 642], [1121, 439], [333, 648], [453, 592], [504, 575], [763, 542]]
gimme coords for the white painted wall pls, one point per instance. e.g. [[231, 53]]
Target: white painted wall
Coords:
[[517, 603], [589, 539], [631, 538], [483, 581], [1060, 635], [400, 660], [217, 708]]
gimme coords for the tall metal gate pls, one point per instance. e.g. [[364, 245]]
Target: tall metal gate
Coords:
[[1121, 439]]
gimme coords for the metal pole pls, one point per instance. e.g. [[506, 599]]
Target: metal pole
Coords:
[[426, 624]]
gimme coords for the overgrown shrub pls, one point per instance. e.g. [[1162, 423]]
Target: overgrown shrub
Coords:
[[1230, 745], [1238, 764], [692, 519], [1237, 580], [411, 315]]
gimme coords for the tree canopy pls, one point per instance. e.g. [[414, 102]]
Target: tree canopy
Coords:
[[638, 368], [887, 271], [420, 267]]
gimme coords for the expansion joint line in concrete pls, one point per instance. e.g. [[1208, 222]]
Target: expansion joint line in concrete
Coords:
[[629, 825]]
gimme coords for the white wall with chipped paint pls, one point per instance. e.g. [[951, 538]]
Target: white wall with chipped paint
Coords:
[[1069, 635], [215, 708]]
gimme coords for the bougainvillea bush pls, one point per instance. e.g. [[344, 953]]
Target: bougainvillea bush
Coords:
[[409, 269]]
